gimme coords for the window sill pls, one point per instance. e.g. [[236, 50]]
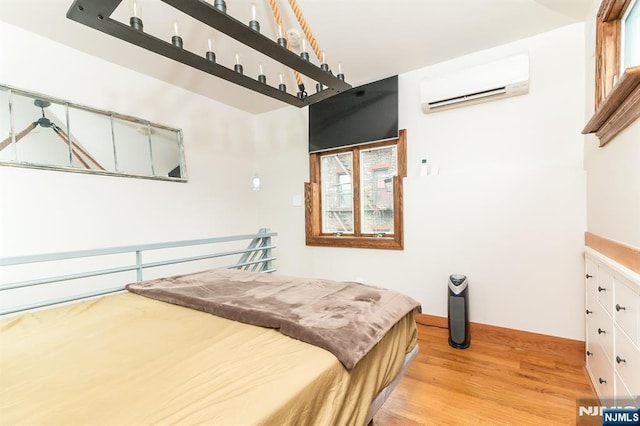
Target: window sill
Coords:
[[356, 242], [620, 108]]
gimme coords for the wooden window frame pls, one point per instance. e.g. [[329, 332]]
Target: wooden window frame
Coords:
[[313, 204], [616, 105]]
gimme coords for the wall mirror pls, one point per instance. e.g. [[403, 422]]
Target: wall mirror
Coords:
[[43, 132]]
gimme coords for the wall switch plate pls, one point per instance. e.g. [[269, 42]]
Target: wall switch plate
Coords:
[[297, 200], [424, 167]]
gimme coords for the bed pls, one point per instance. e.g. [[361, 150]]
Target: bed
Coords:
[[126, 358]]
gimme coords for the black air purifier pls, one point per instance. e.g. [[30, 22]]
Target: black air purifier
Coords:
[[458, 309]]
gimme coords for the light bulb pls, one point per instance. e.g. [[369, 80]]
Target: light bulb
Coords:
[[136, 12], [135, 9], [176, 39], [282, 42], [340, 74], [323, 65], [304, 54], [209, 54], [254, 13], [238, 66], [261, 77], [282, 87]]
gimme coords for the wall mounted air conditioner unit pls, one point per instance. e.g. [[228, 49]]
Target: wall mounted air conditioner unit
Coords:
[[482, 83]]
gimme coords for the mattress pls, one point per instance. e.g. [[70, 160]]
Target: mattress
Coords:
[[126, 359]]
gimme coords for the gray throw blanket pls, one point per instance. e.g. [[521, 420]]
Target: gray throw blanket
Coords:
[[345, 318]]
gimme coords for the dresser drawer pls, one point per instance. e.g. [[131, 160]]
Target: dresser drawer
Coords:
[[623, 397], [627, 310], [594, 311], [627, 362], [601, 371], [600, 327], [604, 289]]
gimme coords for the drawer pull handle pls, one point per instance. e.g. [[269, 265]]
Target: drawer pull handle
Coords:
[[589, 276], [620, 360], [601, 289], [589, 353], [601, 380], [589, 312], [620, 308], [601, 331]]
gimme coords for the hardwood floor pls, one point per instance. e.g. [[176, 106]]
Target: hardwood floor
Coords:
[[496, 381]]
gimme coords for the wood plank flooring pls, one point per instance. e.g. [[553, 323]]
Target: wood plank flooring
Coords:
[[495, 381]]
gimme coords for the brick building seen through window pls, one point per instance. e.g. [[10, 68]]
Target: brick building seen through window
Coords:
[[356, 194]]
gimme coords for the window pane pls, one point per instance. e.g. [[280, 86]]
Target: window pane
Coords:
[[377, 168], [91, 133], [631, 42], [166, 152], [40, 128], [133, 153], [337, 193]]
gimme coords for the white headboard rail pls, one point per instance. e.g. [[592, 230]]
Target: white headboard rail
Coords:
[[257, 256]]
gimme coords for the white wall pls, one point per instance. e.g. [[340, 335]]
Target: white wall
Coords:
[[613, 186], [48, 211], [507, 209], [42, 208], [613, 171]]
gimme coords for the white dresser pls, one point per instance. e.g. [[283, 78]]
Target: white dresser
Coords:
[[612, 327]]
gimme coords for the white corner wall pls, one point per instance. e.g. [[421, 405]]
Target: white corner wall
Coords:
[[507, 208], [48, 211]]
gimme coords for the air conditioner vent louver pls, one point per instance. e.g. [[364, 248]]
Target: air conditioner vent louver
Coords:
[[488, 82], [469, 97]]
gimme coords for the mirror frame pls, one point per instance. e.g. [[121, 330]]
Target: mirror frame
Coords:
[[110, 115]]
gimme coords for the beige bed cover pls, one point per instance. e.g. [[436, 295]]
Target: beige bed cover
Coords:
[[125, 359]]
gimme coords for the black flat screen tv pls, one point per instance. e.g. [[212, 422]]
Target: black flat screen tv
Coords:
[[362, 114]]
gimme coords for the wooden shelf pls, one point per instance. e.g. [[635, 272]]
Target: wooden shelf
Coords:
[[620, 108]]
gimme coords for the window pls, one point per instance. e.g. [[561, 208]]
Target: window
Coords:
[[354, 197], [617, 85]]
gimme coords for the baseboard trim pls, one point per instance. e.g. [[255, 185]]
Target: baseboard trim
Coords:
[[623, 254], [569, 349]]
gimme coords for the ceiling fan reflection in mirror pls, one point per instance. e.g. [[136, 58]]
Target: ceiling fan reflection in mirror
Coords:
[[77, 151]]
